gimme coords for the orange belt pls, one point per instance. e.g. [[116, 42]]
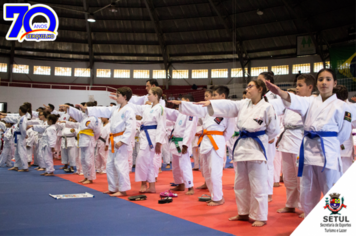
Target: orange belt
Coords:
[[197, 134], [112, 140], [209, 133]]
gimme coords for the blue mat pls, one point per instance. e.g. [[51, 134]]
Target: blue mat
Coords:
[[27, 209]]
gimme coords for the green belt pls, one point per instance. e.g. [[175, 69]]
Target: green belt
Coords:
[[176, 140], [236, 134]]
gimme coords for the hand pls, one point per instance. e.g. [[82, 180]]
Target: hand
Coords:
[[273, 88], [45, 106], [106, 148], [72, 130], [271, 141], [81, 107], [64, 107], [148, 103], [176, 102], [353, 99], [203, 103], [62, 121], [118, 145], [185, 149], [52, 150], [26, 136], [113, 96], [29, 127], [158, 148]]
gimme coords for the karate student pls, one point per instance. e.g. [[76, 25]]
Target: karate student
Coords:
[[102, 147], [8, 145], [30, 141], [289, 143], [152, 137], [49, 138], [88, 134], [347, 148], [38, 157], [122, 124], [195, 148], [181, 146], [257, 122], [217, 130], [166, 153], [137, 142], [69, 148], [325, 118], [74, 129], [271, 149]]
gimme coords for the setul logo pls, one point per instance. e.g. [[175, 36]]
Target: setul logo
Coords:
[[22, 28], [335, 205]]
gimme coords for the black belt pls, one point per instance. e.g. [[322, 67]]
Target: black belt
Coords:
[[102, 139]]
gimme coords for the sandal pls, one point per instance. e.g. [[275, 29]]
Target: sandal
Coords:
[[138, 198], [204, 198], [165, 200], [168, 194]]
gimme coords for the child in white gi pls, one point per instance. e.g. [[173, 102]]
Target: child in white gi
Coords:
[[8, 145], [122, 124], [217, 130], [102, 147], [326, 119]]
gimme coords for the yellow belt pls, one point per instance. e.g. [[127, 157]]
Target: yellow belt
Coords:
[[88, 132]]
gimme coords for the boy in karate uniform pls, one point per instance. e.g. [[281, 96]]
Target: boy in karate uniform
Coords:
[[181, 146], [122, 123], [289, 143], [217, 131], [102, 147], [326, 119], [8, 145], [89, 132]]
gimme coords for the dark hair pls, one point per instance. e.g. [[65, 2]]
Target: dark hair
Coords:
[[69, 104], [157, 91], [153, 82], [328, 70], [113, 103], [23, 109], [83, 103], [209, 91], [244, 92], [309, 79], [268, 76], [45, 113], [125, 91], [53, 118], [96, 103], [29, 108], [90, 104], [51, 106], [42, 108], [260, 84], [341, 92], [189, 97], [212, 87], [222, 90]]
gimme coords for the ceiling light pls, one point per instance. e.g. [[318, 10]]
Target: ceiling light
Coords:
[[112, 8], [91, 18], [259, 12]]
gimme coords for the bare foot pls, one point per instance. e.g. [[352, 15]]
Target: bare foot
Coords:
[[286, 210], [190, 191], [41, 169], [149, 190], [87, 182], [160, 170], [23, 170], [119, 194], [109, 192], [259, 223], [276, 184], [216, 203], [14, 168], [180, 187], [49, 174], [302, 215], [239, 217], [43, 174], [269, 198], [202, 187], [143, 188], [81, 181], [168, 166]]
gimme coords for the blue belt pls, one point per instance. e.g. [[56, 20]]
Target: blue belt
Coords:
[[145, 128], [312, 135], [15, 135], [254, 136]]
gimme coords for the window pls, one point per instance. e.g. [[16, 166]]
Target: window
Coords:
[[219, 73], [103, 73], [42, 70], [255, 71], [3, 67], [199, 74], [280, 70], [20, 69], [63, 71], [303, 68], [141, 74], [237, 72], [319, 65], [180, 74], [82, 72], [159, 74], [121, 73]]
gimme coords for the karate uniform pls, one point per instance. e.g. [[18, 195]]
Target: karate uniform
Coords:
[[86, 141], [327, 116], [249, 158], [289, 145], [145, 163], [77, 153], [277, 162], [49, 139], [101, 155], [166, 154], [30, 141], [8, 146], [195, 146], [137, 142], [38, 157], [63, 117], [121, 121], [185, 127], [212, 157], [69, 148]]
